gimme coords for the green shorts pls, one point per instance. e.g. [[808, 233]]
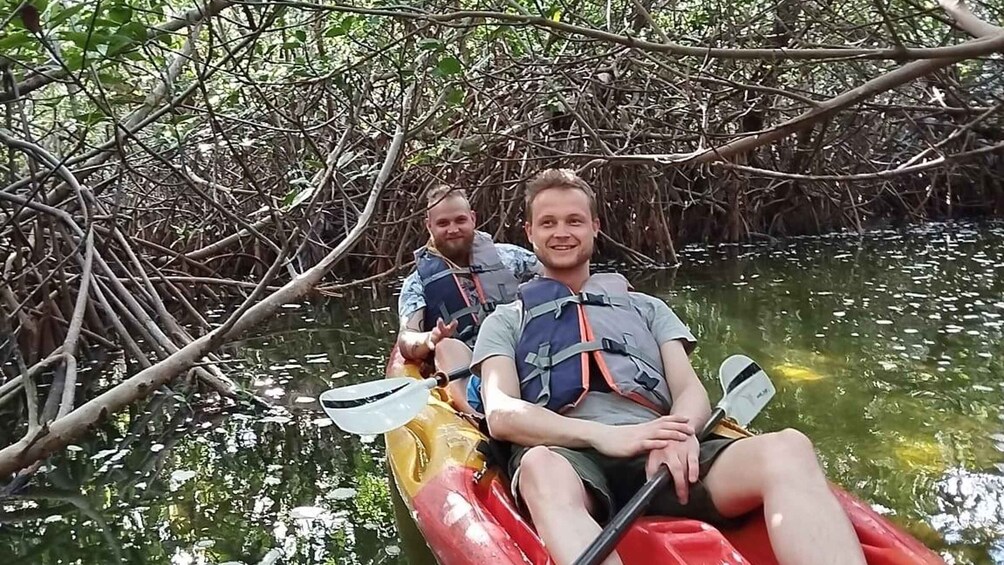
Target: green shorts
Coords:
[[613, 481]]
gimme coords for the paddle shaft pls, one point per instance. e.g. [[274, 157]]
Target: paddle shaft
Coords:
[[615, 530]]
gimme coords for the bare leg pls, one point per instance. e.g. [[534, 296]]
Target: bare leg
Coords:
[[805, 522], [451, 355], [559, 505]]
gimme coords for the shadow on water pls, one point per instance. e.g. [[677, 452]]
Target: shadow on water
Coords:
[[886, 350]]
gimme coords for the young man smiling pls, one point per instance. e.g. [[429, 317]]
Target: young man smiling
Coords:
[[460, 276], [593, 386]]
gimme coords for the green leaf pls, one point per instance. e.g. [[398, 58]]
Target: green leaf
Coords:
[[65, 14], [456, 96], [301, 35], [341, 28], [81, 39], [135, 31], [15, 40], [118, 42], [73, 57], [431, 44], [448, 66], [302, 196], [120, 14], [90, 118]]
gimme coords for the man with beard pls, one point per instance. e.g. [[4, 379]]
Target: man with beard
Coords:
[[460, 276], [591, 384]]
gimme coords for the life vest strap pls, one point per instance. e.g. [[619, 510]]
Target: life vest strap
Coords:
[[479, 269], [585, 298], [463, 271], [443, 274], [479, 310], [544, 362]]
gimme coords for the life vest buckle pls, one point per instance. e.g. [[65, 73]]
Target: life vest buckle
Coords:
[[592, 299], [613, 346], [477, 269], [646, 381]]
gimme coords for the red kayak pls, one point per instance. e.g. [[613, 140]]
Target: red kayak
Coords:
[[469, 519]]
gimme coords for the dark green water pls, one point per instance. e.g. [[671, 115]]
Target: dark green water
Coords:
[[886, 350]]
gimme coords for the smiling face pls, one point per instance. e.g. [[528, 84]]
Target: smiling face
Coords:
[[562, 229], [451, 224]]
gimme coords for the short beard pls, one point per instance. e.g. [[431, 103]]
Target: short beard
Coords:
[[458, 252]]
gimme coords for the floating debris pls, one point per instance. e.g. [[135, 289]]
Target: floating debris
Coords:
[[796, 372], [343, 493], [181, 477], [276, 419], [307, 513]]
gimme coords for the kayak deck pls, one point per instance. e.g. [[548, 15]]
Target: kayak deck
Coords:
[[465, 521]]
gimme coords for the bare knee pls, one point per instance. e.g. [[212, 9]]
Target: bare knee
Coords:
[[548, 478], [452, 354], [789, 457]]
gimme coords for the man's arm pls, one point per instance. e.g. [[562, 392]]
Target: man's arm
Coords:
[[510, 418], [690, 398], [415, 344], [411, 340]]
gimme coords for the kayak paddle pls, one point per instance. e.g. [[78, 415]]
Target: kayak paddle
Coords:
[[377, 407], [747, 389]]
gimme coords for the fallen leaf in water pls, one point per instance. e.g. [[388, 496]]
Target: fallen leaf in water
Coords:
[[796, 372]]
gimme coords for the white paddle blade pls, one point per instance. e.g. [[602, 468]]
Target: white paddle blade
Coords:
[[751, 390], [376, 407], [732, 369]]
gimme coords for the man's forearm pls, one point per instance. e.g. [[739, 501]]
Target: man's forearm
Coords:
[[522, 423], [693, 404]]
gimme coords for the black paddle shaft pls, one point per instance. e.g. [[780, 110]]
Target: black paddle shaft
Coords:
[[615, 530]]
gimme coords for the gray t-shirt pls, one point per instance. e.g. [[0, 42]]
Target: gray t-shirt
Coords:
[[500, 332]]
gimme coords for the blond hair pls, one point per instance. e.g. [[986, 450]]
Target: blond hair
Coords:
[[440, 192], [557, 178]]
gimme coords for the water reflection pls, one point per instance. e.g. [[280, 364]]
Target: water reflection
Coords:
[[887, 350]]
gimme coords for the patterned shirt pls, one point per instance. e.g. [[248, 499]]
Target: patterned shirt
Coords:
[[522, 263]]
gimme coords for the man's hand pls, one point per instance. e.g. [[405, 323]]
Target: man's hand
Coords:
[[636, 439], [681, 457], [439, 333]]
